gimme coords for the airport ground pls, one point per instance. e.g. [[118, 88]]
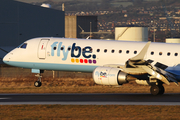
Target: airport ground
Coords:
[[88, 112], [81, 112], [72, 85]]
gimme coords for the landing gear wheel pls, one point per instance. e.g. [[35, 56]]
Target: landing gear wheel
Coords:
[[157, 90], [161, 90], [37, 84]]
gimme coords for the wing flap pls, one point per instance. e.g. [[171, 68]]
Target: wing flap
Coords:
[[155, 74], [169, 76]]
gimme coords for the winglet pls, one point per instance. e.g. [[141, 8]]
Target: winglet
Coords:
[[143, 52]]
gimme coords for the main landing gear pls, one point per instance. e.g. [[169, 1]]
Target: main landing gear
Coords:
[[157, 89], [38, 82]]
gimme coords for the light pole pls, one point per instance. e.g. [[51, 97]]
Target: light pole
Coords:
[[153, 27]]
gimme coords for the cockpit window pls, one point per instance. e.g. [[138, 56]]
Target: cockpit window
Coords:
[[24, 45]]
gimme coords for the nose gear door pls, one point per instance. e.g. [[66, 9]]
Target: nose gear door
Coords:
[[42, 48]]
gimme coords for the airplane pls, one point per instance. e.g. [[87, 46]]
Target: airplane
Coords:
[[111, 62]]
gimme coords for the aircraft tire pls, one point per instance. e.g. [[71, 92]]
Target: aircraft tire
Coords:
[[161, 90], [37, 84], [157, 90]]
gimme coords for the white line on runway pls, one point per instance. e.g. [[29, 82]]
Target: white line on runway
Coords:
[[4, 98], [89, 103]]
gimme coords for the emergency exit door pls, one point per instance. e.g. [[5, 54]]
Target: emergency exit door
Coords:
[[42, 48]]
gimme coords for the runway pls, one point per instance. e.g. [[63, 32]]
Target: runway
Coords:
[[90, 99]]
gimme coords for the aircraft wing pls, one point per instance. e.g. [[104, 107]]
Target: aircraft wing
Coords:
[[114, 66], [138, 66], [169, 75]]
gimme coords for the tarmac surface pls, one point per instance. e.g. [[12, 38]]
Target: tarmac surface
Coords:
[[89, 99]]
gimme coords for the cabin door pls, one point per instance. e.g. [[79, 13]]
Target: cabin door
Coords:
[[42, 48]]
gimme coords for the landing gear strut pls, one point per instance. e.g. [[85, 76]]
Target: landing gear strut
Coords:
[[38, 82], [157, 89]]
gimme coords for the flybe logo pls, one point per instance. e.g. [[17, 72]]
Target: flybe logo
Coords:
[[75, 51]]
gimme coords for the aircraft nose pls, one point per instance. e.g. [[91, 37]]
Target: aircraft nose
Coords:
[[7, 58]]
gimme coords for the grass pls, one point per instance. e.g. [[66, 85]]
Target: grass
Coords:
[[88, 112], [72, 85]]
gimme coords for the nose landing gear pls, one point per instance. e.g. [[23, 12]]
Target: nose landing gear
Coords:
[[38, 82]]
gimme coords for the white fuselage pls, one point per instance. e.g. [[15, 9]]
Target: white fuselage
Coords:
[[85, 55]]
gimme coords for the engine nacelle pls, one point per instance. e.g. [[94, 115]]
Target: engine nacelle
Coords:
[[109, 76]]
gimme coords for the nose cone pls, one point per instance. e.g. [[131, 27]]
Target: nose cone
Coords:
[[7, 58]]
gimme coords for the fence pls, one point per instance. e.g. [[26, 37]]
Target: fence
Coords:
[[21, 72]]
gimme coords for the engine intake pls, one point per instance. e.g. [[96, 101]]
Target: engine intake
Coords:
[[110, 76]]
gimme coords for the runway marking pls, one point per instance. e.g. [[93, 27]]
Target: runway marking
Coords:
[[4, 98], [90, 103]]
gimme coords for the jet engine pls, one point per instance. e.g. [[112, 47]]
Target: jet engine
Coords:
[[110, 76]]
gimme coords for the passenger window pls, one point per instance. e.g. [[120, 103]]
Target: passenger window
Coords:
[[120, 51], [127, 51], [152, 53], [91, 50], [160, 53], [76, 49], [62, 48], [176, 54], [168, 54], [54, 48], [98, 50], [24, 46], [105, 50], [135, 52], [69, 48], [112, 51]]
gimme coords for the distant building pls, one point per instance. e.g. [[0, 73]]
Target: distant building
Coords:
[[172, 40], [74, 25], [21, 21], [131, 33]]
